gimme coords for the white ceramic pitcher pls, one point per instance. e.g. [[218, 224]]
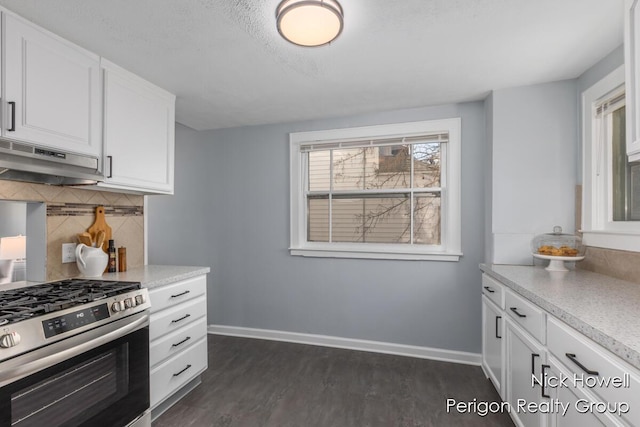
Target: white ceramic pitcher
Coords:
[[91, 261]]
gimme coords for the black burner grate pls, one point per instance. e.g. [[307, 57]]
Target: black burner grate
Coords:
[[24, 303]]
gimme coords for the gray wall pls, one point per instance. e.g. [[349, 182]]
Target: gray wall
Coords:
[[180, 226], [231, 212]]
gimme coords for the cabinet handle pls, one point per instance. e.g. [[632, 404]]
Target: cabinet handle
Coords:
[[543, 373], [180, 294], [572, 357], [489, 289], [181, 342], [110, 166], [13, 116], [178, 373], [497, 321], [515, 310], [533, 362], [181, 319]]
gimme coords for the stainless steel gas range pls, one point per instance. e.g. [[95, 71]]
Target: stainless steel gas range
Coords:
[[74, 353]]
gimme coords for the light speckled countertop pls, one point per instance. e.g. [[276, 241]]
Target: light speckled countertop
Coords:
[[603, 308], [152, 276]]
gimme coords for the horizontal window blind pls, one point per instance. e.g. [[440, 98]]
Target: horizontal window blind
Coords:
[[611, 104], [378, 142]]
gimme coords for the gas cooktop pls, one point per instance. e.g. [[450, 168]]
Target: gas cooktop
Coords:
[[31, 301], [37, 315]]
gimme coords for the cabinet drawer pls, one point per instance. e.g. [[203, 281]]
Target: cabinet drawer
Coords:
[[615, 381], [525, 314], [169, 320], [577, 399], [493, 290], [177, 371], [170, 295], [178, 340]]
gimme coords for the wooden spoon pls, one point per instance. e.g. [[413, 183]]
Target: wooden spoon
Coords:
[[85, 238], [100, 238]]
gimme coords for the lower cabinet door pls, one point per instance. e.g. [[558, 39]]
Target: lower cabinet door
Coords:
[[525, 357], [492, 339]]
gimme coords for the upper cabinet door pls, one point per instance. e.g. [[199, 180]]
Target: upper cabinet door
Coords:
[[139, 132], [52, 91], [632, 64]]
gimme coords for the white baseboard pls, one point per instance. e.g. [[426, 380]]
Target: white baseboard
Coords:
[[350, 344]]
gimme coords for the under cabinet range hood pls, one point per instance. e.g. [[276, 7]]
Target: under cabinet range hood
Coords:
[[30, 163]]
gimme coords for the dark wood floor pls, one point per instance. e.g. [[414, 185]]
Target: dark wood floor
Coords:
[[255, 383]]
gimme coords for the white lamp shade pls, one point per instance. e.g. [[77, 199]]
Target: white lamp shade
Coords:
[[13, 247], [309, 22]]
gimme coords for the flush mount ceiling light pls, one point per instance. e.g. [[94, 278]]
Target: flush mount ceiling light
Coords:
[[309, 22]]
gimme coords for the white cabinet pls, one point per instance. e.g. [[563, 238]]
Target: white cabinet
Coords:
[[58, 96], [178, 340], [492, 340], [524, 359], [539, 350], [596, 371], [139, 133], [525, 354], [574, 402], [52, 95], [632, 65], [493, 347]]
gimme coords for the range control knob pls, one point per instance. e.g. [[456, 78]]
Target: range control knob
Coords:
[[128, 303], [140, 299], [117, 306], [11, 339]]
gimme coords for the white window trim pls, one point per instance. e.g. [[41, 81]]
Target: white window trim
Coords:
[[451, 248], [597, 229]]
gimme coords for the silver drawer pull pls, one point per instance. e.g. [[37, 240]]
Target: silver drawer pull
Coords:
[[180, 294], [572, 357], [181, 319], [515, 310], [181, 342], [178, 373]]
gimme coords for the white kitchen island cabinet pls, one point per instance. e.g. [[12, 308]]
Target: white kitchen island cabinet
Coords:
[[52, 92], [632, 72], [578, 325], [139, 133]]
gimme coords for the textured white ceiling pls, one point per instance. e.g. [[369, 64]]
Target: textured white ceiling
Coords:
[[229, 67]]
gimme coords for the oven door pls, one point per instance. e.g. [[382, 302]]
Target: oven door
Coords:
[[97, 378]]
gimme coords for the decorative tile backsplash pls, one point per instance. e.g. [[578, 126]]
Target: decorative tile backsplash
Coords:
[[80, 209], [72, 210]]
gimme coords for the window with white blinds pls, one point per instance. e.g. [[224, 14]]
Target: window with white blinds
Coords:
[[387, 191], [610, 182]]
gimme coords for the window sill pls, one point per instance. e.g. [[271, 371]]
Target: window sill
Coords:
[[624, 241], [358, 253]]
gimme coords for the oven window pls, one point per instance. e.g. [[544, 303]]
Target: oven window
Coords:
[[105, 386], [96, 383]]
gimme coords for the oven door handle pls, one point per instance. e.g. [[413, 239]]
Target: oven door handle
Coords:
[[44, 357]]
